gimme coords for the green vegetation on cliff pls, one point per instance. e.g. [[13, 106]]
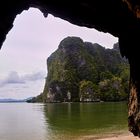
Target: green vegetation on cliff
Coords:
[[82, 71]]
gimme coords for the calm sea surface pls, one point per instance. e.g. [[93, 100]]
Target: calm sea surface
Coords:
[[64, 121]]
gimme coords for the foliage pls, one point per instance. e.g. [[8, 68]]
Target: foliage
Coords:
[[88, 91], [112, 90], [87, 71]]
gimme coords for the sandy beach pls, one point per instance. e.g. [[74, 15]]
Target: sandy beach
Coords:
[[127, 136]]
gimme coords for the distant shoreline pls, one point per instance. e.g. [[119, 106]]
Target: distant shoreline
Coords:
[[13, 102]]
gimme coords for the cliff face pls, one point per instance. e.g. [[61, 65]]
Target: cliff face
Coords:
[[76, 64]]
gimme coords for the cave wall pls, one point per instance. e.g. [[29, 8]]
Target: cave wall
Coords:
[[121, 18], [113, 16]]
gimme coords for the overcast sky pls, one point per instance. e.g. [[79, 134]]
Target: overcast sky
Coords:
[[27, 46]]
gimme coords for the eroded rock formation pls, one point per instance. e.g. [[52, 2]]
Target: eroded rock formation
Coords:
[[118, 17], [86, 72]]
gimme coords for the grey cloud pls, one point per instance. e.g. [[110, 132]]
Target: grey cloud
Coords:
[[14, 78], [34, 76]]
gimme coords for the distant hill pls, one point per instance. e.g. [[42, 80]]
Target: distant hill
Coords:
[[83, 71], [9, 100]]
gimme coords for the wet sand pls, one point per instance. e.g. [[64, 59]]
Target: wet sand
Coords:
[[127, 136]]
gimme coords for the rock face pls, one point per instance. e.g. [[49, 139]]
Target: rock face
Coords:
[[114, 16], [118, 17], [82, 71]]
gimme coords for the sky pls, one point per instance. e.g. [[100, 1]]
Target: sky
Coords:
[[28, 45]]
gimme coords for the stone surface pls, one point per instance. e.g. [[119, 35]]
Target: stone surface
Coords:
[[118, 17]]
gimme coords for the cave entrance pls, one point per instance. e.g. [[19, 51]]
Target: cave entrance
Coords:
[[32, 39]]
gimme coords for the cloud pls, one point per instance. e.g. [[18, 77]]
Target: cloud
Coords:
[[34, 77], [14, 78]]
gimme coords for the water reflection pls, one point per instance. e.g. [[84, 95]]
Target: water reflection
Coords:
[[68, 120], [22, 121], [62, 116], [65, 121]]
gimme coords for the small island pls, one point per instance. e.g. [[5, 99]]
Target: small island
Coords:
[[81, 71]]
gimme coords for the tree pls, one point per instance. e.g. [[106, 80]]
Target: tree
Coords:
[[88, 91], [112, 90]]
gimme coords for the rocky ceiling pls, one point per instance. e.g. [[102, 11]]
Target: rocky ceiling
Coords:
[[121, 18]]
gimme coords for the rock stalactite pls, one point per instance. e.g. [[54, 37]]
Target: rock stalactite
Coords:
[[118, 17]]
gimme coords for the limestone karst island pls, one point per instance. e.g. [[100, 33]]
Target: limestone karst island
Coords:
[[86, 72]]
